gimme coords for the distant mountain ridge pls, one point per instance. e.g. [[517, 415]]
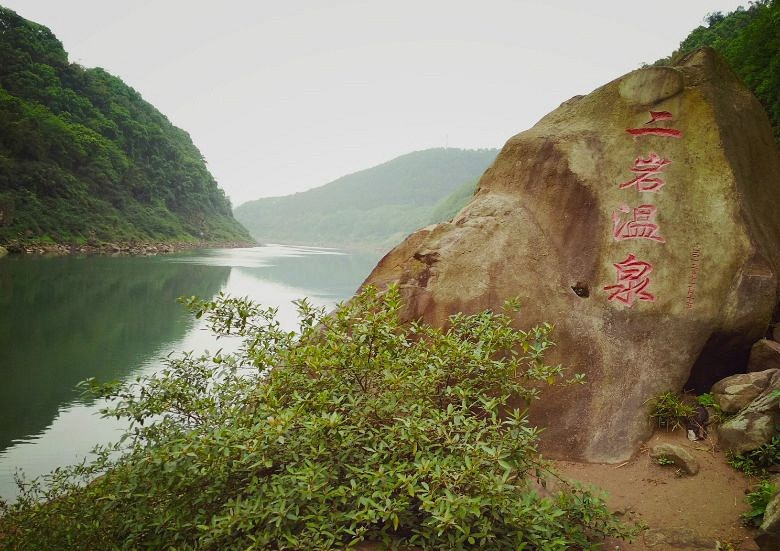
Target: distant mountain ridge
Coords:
[[83, 158], [376, 207]]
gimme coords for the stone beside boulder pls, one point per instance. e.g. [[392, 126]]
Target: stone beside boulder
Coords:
[[736, 392], [769, 538], [636, 220], [756, 424], [765, 354], [681, 457], [3, 251]]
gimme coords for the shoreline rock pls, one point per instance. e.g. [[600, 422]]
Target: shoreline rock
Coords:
[[636, 220]]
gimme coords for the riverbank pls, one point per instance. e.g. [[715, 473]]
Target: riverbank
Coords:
[[130, 248]]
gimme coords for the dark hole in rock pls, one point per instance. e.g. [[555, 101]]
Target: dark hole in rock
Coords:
[[581, 289], [724, 354]]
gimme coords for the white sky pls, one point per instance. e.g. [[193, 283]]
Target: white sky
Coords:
[[281, 96]]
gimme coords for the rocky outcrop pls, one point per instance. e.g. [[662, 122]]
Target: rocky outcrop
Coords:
[[638, 220], [735, 392], [123, 248], [756, 424]]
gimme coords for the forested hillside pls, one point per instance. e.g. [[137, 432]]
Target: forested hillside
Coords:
[[375, 207], [84, 158], [749, 39]]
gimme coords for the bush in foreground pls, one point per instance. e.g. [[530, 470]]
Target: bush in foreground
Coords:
[[365, 429]]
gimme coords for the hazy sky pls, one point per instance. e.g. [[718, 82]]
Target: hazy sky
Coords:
[[286, 95]]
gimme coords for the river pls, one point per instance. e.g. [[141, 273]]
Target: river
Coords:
[[64, 319]]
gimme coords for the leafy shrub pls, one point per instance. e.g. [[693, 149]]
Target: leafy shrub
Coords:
[[758, 499], [356, 428], [670, 411]]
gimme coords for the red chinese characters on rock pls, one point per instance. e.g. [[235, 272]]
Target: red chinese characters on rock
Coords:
[[632, 282], [659, 116], [647, 171], [642, 226], [633, 274], [656, 116]]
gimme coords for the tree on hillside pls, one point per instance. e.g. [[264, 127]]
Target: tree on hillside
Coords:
[[749, 39]]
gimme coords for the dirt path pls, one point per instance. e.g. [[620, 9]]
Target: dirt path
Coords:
[[682, 513]]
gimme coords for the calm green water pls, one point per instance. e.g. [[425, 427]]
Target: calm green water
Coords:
[[63, 319]]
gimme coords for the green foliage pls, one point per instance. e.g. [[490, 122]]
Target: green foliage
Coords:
[[756, 462], [84, 157], [355, 428], [376, 207], [749, 39], [670, 411], [758, 499]]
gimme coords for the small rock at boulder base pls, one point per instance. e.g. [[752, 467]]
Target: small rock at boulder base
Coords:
[[636, 221], [765, 354], [3, 251], [754, 425], [679, 455], [735, 392]]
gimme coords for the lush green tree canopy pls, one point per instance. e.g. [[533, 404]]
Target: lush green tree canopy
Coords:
[[83, 156], [749, 39]]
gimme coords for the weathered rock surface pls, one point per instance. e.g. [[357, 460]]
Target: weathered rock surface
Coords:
[[735, 392], [640, 220], [756, 424], [765, 354], [769, 539], [3, 251], [680, 456]]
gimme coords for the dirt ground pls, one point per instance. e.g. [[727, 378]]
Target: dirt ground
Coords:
[[680, 512]]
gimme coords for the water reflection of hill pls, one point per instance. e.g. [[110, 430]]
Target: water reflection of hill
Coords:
[[66, 319], [335, 275]]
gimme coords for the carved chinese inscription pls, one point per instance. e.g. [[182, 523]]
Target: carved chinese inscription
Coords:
[[647, 171], [641, 226], [633, 274], [632, 281], [656, 116]]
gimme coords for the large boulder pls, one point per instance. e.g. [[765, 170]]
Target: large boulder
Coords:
[[640, 220]]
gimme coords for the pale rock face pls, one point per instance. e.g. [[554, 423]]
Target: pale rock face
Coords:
[[641, 220], [756, 424], [770, 527], [765, 354], [681, 457], [735, 392]]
